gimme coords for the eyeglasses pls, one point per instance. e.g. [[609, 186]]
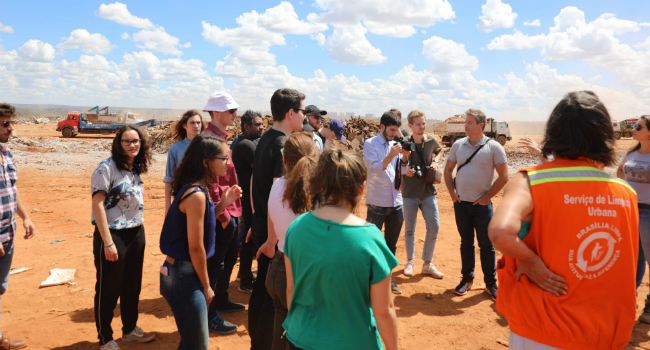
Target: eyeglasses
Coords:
[[637, 127], [130, 142], [232, 111], [222, 158], [7, 123], [299, 109]]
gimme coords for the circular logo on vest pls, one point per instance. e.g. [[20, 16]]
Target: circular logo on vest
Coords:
[[595, 256]]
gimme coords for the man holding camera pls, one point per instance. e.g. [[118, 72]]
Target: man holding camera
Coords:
[[471, 191], [419, 192], [383, 196]]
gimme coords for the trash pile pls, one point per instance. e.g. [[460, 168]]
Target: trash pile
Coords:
[[35, 120], [160, 137], [357, 131]]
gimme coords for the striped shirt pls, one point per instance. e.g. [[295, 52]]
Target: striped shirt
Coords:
[[8, 190]]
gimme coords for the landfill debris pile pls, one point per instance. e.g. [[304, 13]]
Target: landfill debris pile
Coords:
[[357, 131], [161, 137], [35, 120]]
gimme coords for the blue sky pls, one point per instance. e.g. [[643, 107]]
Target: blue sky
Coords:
[[363, 56]]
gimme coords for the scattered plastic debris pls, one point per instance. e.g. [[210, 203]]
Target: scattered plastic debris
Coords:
[[59, 276], [22, 269], [36, 210], [58, 240]]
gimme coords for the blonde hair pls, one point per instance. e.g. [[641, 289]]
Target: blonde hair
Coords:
[[416, 113]]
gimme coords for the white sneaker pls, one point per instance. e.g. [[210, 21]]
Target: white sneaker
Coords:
[[430, 269], [408, 270], [111, 345], [138, 336]]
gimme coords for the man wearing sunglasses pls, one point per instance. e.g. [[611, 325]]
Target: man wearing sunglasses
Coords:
[[11, 205], [314, 116], [223, 111]]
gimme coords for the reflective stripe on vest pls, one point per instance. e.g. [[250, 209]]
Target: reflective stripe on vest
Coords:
[[579, 173]]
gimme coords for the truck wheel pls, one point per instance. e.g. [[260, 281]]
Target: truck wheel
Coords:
[[67, 132], [617, 135], [502, 140]]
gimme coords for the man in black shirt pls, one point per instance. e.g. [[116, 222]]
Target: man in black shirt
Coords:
[[243, 152], [287, 107]]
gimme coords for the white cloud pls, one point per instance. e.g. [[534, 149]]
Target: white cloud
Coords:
[[572, 38], [118, 13], [535, 23], [448, 56], [36, 51], [6, 29], [496, 14], [125, 36], [257, 32], [384, 17], [350, 46], [95, 43], [158, 40]]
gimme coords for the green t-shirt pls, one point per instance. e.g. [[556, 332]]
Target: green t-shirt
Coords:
[[333, 266]]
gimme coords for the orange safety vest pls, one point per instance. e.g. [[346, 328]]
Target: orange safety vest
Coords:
[[585, 228]]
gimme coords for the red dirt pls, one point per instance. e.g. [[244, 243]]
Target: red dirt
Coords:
[[430, 316]]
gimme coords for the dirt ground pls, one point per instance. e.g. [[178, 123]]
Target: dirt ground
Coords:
[[430, 316]]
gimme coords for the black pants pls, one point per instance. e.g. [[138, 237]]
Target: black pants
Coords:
[[470, 218], [292, 347], [248, 250], [221, 263], [118, 279], [261, 312]]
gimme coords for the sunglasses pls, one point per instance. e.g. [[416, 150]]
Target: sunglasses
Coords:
[[222, 158], [232, 111], [130, 142], [7, 123], [317, 116], [636, 127]]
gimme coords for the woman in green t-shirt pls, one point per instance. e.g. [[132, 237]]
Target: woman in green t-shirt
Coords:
[[338, 266]]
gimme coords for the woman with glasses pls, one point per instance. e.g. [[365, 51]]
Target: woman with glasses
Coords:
[[635, 169], [119, 239], [188, 237]]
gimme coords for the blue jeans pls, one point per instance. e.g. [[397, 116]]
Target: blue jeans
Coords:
[[470, 217], [5, 266], [184, 293], [644, 238], [392, 217], [429, 207]]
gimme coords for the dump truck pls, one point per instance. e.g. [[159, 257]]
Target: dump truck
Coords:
[[78, 123], [453, 129], [627, 125], [104, 116]]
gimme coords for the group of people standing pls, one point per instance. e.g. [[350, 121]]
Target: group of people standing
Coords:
[[572, 261]]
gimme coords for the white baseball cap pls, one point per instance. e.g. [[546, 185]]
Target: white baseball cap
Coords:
[[220, 101]]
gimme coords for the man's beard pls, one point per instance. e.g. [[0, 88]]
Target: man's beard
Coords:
[[386, 135]]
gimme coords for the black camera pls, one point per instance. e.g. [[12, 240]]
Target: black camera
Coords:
[[418, 171], [409, 146]]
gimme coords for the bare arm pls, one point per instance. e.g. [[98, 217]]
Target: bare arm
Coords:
[[381, 301], [619, 172], [194, 207], [287, 266], [449, 181], [268, 248], [168, 196], [497, 186], [102, 225], [27, 221], [517, 205]]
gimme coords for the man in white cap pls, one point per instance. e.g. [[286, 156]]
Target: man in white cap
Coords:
[[223, 111]]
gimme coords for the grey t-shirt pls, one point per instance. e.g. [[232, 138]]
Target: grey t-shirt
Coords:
[[637, 173], [475, 178], [124, 192]]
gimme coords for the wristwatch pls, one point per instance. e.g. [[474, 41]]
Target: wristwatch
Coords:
[[435, 160]]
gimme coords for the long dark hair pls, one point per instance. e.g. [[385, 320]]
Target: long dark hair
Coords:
[[646, 120], [580, 126], [300, 153], [179, 131], [191, 169], [141, 161], [337, 178]]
